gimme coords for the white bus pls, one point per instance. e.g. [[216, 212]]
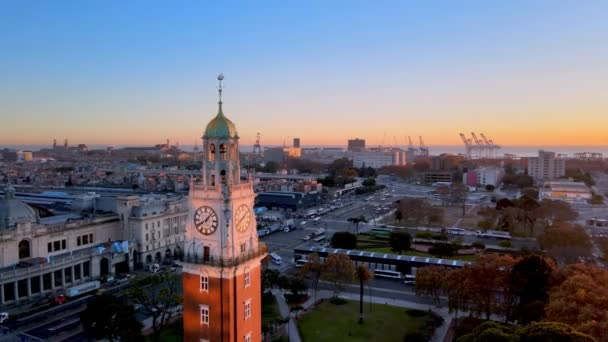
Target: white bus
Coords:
[[387, 274], [456, 231], [275, 259], [319, 239]]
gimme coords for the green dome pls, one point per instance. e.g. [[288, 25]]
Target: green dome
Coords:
[[220, 127]]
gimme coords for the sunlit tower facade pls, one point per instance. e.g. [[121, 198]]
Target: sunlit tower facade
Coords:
[[221, 268]]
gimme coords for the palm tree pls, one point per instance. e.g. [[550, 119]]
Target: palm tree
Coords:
[[363, 274], [357, 220]]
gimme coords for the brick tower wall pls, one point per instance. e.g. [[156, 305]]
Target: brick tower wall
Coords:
[[229, 292]]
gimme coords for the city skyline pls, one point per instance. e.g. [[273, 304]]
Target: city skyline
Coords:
[[124, 74]]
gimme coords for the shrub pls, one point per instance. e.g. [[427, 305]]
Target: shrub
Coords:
[[505, 243], [415, 336], [344, 240], [337, 301], [415, 312], [478, 245]]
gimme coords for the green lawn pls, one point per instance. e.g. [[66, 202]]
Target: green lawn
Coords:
[[330, 322]]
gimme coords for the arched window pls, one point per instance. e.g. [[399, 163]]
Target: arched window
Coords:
[[24, 249], [212, 152], [223, 175], [223, 152], [212, 180], [233, 155]]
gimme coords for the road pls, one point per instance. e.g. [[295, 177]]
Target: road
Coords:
[[372, 207]]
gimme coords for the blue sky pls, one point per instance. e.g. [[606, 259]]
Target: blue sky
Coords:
[[523, 72]]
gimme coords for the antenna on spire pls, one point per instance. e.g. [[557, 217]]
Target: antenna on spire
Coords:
[[220, 78]]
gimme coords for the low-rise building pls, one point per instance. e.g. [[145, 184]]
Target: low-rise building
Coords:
[[41, 255], [573, 192], [155, 224]]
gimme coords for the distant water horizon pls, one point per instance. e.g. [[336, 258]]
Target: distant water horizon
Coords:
[[518, 150]]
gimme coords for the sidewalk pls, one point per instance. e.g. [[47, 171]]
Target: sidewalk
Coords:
[[292, 328]]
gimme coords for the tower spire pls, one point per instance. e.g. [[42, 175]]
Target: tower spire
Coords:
[[220, 78]]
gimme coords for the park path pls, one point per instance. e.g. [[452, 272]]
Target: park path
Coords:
[[294, 335], [292, 328]]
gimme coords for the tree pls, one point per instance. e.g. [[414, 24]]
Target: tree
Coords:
[[344, 240], [297, 286], [270, 279], [363, 275], [565, 241], [551, 331], [399, 240], [369, 182], [429, 281], [398, 216], [458, 290], [313, 267], [338, 269], [443, 250], [535, 332], [489, 275], [107, 318], [529, 285], [459, 194], [356, 221], [159, 297], [580, 299]]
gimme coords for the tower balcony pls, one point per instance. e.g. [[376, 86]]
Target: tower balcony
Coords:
[[210, 260]]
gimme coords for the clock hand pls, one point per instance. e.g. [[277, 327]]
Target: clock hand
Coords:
[[241, 220], [208, 217]]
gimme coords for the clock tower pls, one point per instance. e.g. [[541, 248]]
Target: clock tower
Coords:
[[221, 267]]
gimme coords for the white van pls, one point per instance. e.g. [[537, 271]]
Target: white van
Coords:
[[275, 259]]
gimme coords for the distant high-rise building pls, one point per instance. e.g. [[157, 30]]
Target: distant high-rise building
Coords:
[[546, 166], [296, 142], [356, 145]]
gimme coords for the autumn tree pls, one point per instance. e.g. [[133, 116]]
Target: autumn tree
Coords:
[[565, 242], [551, 331], [429, 281], [456, 287], [362, 274], [580, 299], [399, 240], [534, 332], [488, 275], [338, 269], [314, 268]]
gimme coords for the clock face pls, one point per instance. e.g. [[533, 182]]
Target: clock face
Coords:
[[205, 220], [242, 218]]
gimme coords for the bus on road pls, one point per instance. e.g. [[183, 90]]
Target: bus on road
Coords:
[[319, 239], [276, 259]]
